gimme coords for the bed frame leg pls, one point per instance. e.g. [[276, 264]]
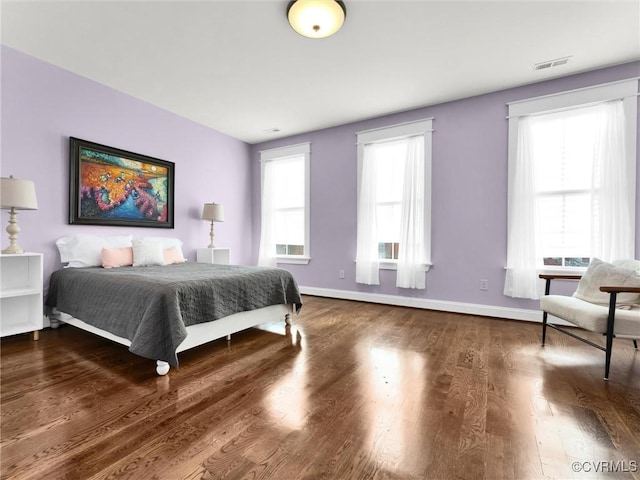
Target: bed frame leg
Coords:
[[287, 317], [162, 368], [54, 318]]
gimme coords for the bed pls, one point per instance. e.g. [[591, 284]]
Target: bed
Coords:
[[161, 310]]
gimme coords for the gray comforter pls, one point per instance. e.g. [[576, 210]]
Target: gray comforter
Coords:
[[152, 306]]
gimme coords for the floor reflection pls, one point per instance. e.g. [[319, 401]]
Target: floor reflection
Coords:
[[394, 381], [288, 399]]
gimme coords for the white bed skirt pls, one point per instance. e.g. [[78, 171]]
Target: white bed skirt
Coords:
[[198, 334]]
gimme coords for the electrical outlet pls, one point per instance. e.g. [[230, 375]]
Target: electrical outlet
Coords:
[[341, 274], [484, 285]]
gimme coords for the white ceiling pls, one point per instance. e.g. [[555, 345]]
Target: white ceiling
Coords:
[[238, 67]]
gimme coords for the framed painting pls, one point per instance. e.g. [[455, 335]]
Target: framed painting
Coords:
[[114, 187]]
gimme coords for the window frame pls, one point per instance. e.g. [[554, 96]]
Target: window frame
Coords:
[[422, 127], [625, 90], [284, 154]]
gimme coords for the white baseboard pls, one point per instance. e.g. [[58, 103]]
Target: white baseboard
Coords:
[[441, 305]]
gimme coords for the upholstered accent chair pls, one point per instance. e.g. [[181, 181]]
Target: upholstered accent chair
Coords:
[[607, 301]]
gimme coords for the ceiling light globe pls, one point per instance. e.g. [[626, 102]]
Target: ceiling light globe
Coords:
[[316, 18]]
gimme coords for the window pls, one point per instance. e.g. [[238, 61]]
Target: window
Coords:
[[572, 161], [284, 235], [289, 204], [394, 203], [390, 158], [563, 146]]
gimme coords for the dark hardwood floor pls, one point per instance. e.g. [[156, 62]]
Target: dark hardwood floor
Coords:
[[350, 391]]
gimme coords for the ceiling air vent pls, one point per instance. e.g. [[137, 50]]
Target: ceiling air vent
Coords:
[[272, 130], [551, 63], [542, 66]]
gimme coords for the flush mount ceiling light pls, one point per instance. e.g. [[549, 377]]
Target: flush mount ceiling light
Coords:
[[316, 18]]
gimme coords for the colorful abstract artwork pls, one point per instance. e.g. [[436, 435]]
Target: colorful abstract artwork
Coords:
[[115, 187]]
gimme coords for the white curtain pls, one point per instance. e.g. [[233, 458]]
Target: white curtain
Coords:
[[612, 199], [613, 226], [367, 262], [523, 245], [267, 252], [411, 269]]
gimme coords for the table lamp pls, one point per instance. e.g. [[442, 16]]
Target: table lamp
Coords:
[[16, 194], [213, 212]]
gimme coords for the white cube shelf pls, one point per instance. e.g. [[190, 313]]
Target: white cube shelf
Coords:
[[213, 255], [21, 306]]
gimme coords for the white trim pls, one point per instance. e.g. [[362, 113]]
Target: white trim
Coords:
[[281, 154], [574, 107], [288, 151], [559, 270], [400, 130], [573, 98], [428, 304], [293, 259], [388, 264]]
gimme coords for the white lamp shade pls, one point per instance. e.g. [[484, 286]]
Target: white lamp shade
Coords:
[[19, 194], [213, 212], [316, 18]]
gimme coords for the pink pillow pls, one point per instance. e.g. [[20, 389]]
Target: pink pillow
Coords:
[[117, 257], [173, 255]]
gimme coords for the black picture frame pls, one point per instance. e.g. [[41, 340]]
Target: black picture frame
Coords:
[[110, 186]]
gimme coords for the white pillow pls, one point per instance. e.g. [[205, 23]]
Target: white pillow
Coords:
[[86, 250], [629, 263], [600, 274], [167, 242], [147, 253]]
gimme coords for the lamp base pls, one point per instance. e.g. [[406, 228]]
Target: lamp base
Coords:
[[13, 230], [12, 249], [211, 245]]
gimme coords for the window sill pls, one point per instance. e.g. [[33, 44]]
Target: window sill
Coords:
[[388, 265], [293, 259], [550, 270], [393, 265], [562, 270]]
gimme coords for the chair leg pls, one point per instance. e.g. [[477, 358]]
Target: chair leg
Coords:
[[610, 323], [635, 344], [547, 290]]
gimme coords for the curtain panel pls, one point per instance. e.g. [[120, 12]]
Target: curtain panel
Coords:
[[267, 250], [612, 196], [411, 235], [367, 263], [411, 261]]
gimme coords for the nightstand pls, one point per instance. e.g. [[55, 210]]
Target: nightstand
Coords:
[[213, 255], [21, 308]]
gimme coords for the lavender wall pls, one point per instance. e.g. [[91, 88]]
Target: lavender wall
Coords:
[[469, 195], [42, 105]]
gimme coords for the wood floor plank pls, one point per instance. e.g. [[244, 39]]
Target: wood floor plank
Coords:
[[350, 391]]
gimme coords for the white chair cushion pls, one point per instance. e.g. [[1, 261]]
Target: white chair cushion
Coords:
[[591, 316]]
